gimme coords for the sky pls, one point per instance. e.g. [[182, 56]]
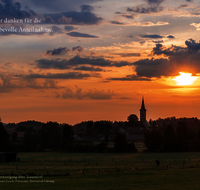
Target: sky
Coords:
[[72, 61]]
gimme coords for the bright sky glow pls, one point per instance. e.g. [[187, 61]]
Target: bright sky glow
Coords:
[[185, 79]]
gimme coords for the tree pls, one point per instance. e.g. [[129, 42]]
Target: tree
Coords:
[[31, 140], [51, 135], [89, 127], [4, 138], [154, 139], [103, 127], [132, 118], [182, 137], [67, 137], [169, 138]]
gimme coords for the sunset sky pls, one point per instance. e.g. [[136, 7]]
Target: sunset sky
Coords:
[[95, 59]]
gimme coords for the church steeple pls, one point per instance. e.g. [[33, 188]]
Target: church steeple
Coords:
[[143, 106], [143, 112]]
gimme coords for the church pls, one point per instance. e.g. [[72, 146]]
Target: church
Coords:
[[143, 114], [135, 131]]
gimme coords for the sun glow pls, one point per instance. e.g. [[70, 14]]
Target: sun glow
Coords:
[[185, 79]]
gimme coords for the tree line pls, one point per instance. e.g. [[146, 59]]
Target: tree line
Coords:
[[173, 137], [53, 136]]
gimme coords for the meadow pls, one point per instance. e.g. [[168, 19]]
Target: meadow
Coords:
[[73, 171]]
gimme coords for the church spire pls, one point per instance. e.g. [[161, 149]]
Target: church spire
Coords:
[[143, 112], [143, 106]]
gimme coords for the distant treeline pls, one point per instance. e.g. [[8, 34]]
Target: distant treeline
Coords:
[[52, 136], [162, 135], [173, 135]]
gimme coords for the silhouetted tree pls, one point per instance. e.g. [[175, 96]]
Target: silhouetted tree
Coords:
[[107, 128], [67, 137], [132, 118], [89, 127], [103, 127], [182, 137], [51, 136], [154, 139], [195, 142], [4, 138], [169, 138], [31, 140]]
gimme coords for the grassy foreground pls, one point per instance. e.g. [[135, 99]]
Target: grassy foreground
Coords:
[[102, 171]]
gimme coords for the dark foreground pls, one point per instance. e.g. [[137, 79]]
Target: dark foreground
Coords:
[[102, 171]]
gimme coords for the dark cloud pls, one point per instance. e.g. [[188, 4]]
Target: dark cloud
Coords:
[[128, 16], [56, 30], [70, 28], [154, 7], [128, 54], [10, 83], [155, 1], [85, 68], [54, 63], [146, 10], [131, 78], [91, 94], [86, 8], [99, 95], [11, 9], [153, 68], [183, 6], [57, 5], [76, 61], [81, 35], [179, 59], [72, 17], [120, 64], [77, 48], [116, 22], [58, 51], [192, 45], [170, 36], [154, 36], [160, 49], [69, 75]]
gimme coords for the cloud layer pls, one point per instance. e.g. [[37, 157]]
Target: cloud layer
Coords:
[[177, 59], [76, 61]]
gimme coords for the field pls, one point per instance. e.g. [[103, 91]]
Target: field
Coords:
[[102, 171]]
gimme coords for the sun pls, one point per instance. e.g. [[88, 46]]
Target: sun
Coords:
[[185, 79]]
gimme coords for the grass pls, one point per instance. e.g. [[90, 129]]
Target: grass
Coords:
[[104, 171]]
